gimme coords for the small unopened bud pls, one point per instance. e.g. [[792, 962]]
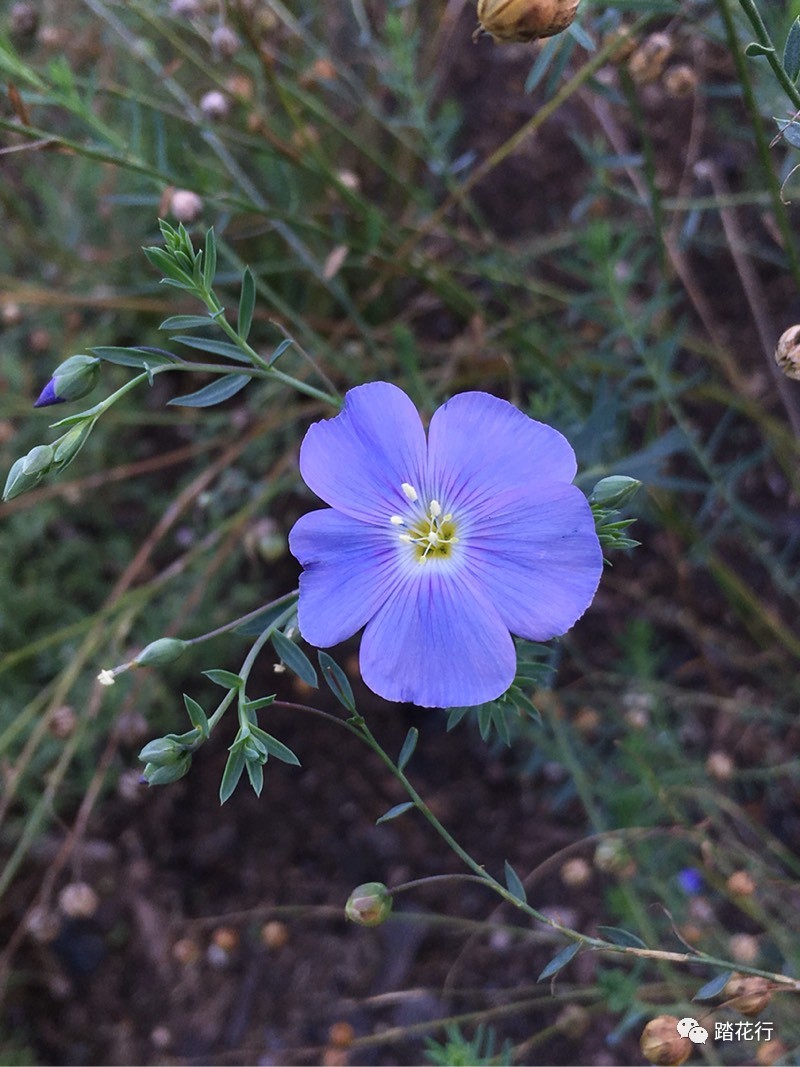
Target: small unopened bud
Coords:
[[647, 62], [369, 904], [78, 900], [680, 80], [741, 884], [163, 752], [158, 653], [214, 105], [743, 948], [748, 994], [611, 856], [185, 206], [67, 447], [224, 42], [613, 492], [787, 353], [576, 873], [226, 937], [165, 775], [720, 766], [38, 461], [72, 379], [275, 934], [662, 1043]]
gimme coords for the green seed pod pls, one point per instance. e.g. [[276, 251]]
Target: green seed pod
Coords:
[[369, 904], [163, 775], [19, 481]]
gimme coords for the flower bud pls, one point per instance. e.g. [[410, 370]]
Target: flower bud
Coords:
[[369, 904], [73, 378], [158, 653], [162, 752], [224, 42], [524, 20], [38, 461], [662, 1043], [748, 995], [185, 206], [67, 447], [787, 354], [155, 775], [613, 492], [214, 105], [19, 479]]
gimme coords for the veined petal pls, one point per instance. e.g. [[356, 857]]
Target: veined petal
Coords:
[[479, 445], [358, 461], [538, 560], [437, 642], [350, 570]]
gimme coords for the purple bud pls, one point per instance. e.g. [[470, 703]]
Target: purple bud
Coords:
[[48, 396], [691, 881]]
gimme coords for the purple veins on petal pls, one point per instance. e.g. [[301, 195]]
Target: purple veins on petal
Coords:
[[358, 461]]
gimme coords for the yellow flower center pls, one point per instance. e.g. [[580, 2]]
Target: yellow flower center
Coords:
[[431, 534]]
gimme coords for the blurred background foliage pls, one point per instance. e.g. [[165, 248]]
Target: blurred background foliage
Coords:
[[593, 229]]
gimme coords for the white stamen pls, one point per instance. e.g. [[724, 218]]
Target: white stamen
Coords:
[[435, 509], [397, 520], [410, 492], [106, 677], [433, 537], [407, 538]]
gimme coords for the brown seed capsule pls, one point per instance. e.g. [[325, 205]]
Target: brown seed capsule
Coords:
[[662, 1043], [524, 20], [787, 354], [647, 62], [680, 80], [743, 948], [741, 884], [748, 995]]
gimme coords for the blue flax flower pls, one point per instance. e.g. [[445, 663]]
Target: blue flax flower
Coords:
[[441, 548]]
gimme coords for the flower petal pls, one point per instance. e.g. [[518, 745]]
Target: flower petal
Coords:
[[358, 461], [350, 570], [538, 559], [437, 642], [479, 445]]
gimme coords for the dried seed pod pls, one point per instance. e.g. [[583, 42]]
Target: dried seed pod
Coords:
[[662, 1043], [524, 20], [750, 994], [647, 62], [787, 354]]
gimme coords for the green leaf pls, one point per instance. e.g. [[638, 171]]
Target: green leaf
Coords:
[[617, 936], [455, 715], [186, 322], [275, 747], [225, 678], [247, 303], [791, 51], [259, 623], [756, 49], [257, 705], [485, 721], [790, 131], [514, 883], [337, 681], [233, 771], [164, 262], [295, 659], [560, 960], [210, 259], [407, 751], [215, 392], [392, 813], [714, 987], [255, 772], [197, 716], [276, 355], [216, 348], [133, 357]]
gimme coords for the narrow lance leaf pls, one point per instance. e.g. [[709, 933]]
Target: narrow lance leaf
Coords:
[[791, 52], [214, 393], [514, 884], [714, 987], [232, 773], [210, 259], [197, 716], [337, 681], [560, 960], [226, 679], [407, 751], [216, 348], [617, 936], [392, 813], [247, 303], [295, 659]]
